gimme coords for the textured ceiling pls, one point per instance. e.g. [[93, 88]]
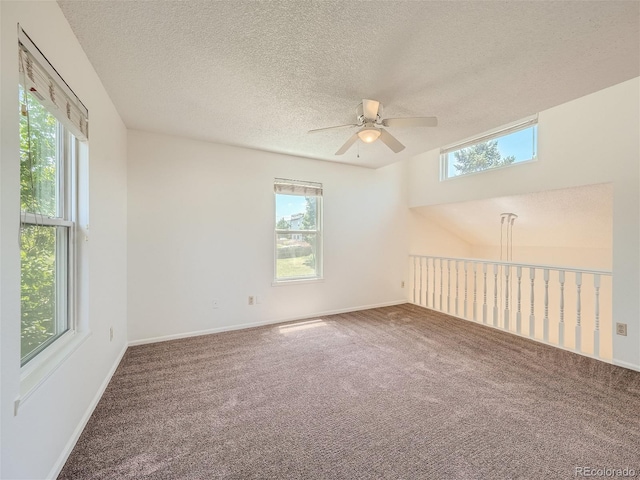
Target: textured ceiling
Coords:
[[260, 74], [572, 217]]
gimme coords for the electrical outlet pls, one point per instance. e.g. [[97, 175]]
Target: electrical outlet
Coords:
[[215, 303], [621, 329], [402, 284], [110, 334], [251, 299]]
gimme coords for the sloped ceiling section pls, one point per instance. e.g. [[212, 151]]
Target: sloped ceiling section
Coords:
[[261, 74], [580, 217]]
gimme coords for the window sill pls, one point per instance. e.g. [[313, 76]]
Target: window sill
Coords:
[[42, 367], [301, 281]]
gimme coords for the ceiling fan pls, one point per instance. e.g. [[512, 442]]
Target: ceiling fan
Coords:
[[370, 121]]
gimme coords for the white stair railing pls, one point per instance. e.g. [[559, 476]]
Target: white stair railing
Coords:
[[559, 299]]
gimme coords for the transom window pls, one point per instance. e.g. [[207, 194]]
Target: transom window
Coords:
[[506, 146], [298, 230]]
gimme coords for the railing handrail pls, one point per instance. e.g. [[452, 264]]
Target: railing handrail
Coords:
[[518, 264]]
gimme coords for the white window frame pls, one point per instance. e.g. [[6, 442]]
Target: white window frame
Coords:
[[40, 367], [318, 276], [66, 175], [53, 93], [486, 137]]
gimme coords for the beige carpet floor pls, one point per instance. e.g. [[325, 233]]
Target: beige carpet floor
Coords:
[[391, 393]]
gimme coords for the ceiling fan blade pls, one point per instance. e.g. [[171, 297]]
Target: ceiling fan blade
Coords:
[[390, 141], [347, 144], [370, 108], [411, 122], [331, 128]]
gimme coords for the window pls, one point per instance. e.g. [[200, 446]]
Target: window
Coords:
[[298, 230], [507, 146], [52, 120]]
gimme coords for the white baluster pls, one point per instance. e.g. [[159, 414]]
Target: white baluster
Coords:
[[441, 282], [414, 279], [420, 261], [532, 317], [561, 323], [578, 312], [465, 290], [475, 292], [596, 333], [545, 322], [426, 295], [456, 297], [495, 295], [484, 304], [507, 319], [519, 313], [448, 286], [433, 292]]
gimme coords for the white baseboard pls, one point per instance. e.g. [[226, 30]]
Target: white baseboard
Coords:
[[241, 326], [55, 471], [630, 366]]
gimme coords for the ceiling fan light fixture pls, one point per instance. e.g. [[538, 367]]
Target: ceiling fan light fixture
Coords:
[[369, 134]]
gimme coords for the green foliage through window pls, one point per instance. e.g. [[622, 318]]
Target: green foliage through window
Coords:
[[38, 281], [297, 236], [43, 247], [515, 145], [38, 158], [481, 156]]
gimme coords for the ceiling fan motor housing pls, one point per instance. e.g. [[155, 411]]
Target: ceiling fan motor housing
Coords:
[[362, 120]]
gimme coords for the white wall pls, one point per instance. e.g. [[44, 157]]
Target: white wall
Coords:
[[201, 219], [426, 237], [38, 438], [589, 258], [593, 139]]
